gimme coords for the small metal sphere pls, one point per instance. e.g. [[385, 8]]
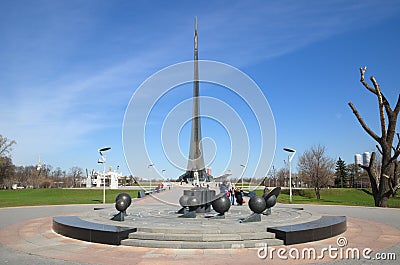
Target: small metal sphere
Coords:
[[121, 205], [222, 204], [257, 204], [124, 196], [271, 201], [183, 200]]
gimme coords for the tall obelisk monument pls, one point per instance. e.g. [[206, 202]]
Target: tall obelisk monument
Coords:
[[196, 169]]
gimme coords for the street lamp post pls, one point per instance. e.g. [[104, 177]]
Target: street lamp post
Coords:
[[103, 161], [290, 150], [243, 166], [149, 166], [273, 176]]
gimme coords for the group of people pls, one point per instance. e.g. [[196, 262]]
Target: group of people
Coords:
[[235, 194]]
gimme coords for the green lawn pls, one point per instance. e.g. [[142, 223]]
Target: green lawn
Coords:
[[357, 197], [33, 197]]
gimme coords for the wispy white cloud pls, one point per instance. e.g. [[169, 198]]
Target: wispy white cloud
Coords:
[[64, 112], [257, 31]]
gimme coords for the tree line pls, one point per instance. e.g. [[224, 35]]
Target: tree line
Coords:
[[315, 169], [34, 176]]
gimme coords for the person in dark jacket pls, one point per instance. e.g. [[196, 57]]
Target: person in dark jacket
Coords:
[[239, 197]]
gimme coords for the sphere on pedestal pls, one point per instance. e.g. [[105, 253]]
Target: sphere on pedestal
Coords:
[[257, 204], [124, 196], [121, 205], [271, 201], [222, 204], [183, 200]]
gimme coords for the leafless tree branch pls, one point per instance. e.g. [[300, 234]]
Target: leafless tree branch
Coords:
[[397, 108], [373, 90], [362, 80], [5, 146], [379, 149], [363, 124], [380, 103]]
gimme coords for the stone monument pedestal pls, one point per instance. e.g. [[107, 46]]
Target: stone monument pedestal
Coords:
[[205, 197]]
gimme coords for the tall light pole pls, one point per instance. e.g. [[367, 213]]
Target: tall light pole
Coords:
[[149, 166], [290, 150], [243, 166], [285, 178], [163, 173], [273, 175], [103, 161]]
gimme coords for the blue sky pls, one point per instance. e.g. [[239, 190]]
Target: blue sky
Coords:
[[68, 70]]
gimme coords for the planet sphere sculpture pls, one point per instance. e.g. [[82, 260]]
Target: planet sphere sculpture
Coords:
[[121, 205], [193, 203], [257, 204], [189, 205], [183, 200], [271, 201], [124, 196], [221, 205], [122, 202]]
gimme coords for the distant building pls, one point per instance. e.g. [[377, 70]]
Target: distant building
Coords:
[[358, 159], [366, 158], [111, 180]]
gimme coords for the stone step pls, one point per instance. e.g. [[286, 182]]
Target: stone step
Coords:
[[203, 230], [200, 237], [201, 245]]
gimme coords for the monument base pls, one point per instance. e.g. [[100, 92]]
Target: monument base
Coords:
[[254, 217], [204, 196], [187, 213], [150, 226]]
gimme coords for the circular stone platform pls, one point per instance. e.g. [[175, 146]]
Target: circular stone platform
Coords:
[[156, 216], [161, 227]]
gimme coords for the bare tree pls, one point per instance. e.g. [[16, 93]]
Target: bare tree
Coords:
[[269, 178], [281, 176], [384, 183], [317, 168], [6, 165], [5, 146], [354, 171], [7, 170], [76, 175]]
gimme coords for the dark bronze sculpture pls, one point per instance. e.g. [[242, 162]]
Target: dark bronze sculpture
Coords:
[[124, 196], [221, 205], [122, 202], [271, 198], [196, 200], [257, 204], [261, 204]]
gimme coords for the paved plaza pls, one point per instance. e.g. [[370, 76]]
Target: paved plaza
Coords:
[[26, 237]]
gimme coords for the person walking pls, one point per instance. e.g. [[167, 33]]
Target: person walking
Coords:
[[232, 191]]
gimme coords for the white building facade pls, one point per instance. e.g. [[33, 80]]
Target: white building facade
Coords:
[[111, 180], [358, 159]]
